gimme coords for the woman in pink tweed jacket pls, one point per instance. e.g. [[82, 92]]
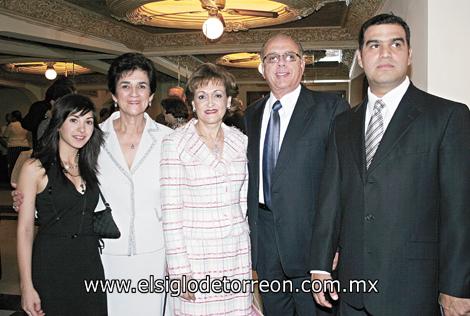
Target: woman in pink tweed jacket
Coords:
[[203, 194]]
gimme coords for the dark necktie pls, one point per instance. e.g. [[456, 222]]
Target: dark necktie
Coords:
[[271, 151], [375, 131]]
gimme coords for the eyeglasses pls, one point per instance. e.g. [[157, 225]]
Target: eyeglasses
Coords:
[[274, 58]]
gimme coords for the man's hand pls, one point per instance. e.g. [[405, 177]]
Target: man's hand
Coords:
[[320, 297], [17, 197], [454, 306], [335, 261]]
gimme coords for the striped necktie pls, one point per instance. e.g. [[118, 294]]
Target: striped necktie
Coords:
[[271, 150], [375, 131]]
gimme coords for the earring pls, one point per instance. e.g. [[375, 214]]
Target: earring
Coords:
[[150, 103], [115, 104]]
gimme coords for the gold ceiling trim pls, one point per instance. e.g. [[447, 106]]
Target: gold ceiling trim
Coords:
[[39, 68], [65, 16], [249, 60], [190, 14]]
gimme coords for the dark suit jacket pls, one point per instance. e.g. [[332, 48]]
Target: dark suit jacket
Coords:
[[37, 113], [406, 220], [296, 178]]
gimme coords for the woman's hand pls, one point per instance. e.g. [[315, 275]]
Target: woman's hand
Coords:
[[189, 296], [31, 303]]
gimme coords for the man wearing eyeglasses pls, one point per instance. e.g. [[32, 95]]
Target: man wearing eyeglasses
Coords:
[[287, 137]]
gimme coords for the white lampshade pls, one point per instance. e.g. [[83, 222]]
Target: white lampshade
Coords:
[[213, 28], [50, 73]]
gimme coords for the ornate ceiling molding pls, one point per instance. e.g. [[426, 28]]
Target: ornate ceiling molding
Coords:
[[175, 44], [192, 14], [186, 62], [358, 10], [68, 18], [62, 15]]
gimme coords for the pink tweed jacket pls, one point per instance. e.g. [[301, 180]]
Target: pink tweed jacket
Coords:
[[203, 197]]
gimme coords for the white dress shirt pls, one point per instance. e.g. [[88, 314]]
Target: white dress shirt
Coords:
[[285, 113], [391, 100]]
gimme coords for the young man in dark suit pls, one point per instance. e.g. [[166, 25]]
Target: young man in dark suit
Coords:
[[395, 194], [287, 136]]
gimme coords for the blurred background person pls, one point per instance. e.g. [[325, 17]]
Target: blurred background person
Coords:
[[17, 139], [58, 90], [173, 92], [177, 92], [40, 110], [104, 114], [4, 150], [234, 116], [175, 112], [203, 194], [7, 122]]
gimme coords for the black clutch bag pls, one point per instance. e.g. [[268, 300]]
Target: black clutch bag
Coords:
[[103, 222]]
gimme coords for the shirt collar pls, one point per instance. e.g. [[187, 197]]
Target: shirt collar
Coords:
[[288, 101], [391, 98]]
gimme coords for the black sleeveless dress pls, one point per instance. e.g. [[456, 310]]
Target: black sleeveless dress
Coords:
[[65, 250]]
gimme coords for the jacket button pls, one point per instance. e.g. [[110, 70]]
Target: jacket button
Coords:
[[369, 218]]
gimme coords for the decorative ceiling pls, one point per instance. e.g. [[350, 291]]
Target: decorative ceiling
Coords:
[[92, 32]]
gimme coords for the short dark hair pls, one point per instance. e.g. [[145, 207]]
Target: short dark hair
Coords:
[[48, 152], [16, 115], [55, 92], [129, 62], [176, 107], [380, 19], [209, 72], [59, 88]]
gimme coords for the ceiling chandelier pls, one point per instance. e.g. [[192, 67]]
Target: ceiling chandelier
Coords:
[[213, 16], [251, 60], [49, 69]]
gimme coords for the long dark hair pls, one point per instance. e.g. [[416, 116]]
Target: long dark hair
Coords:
[[48, 152]]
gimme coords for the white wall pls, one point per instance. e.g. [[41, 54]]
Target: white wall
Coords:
[[415, 13], [439, 38], [448, 49]]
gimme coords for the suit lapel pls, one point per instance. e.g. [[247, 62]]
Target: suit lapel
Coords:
[[356, 134], [407, 111], [147, 142], [254, 135], [303, 111]]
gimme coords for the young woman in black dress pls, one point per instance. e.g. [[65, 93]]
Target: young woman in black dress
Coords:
[[60, 182]]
